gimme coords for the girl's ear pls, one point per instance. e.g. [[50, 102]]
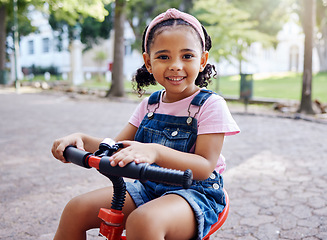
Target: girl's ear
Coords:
[[204, 60], [147, 62]]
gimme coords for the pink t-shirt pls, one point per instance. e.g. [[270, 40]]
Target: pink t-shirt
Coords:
[[213, 117]]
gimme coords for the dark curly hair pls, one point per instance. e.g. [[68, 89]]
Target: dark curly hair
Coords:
[[143, 78]]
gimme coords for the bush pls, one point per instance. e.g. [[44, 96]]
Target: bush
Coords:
[[38, 70]]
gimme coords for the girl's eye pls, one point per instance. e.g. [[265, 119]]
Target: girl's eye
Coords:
[[163, 57], [187, 56]]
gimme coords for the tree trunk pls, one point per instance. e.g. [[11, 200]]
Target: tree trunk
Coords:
[[3, 34], [308, 27], [117, 86], [322, 44]]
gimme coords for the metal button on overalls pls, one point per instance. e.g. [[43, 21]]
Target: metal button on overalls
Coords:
[[174, 133], [212, 176], [215, 186]]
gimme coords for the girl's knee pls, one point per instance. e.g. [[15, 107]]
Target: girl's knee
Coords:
[[141, 221], [75, 206], [72, 221], [79, 211]]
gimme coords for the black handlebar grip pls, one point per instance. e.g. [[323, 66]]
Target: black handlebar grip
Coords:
[[76, 156], [170, 176], [131, 170], [141, 171], [144, 171], [187, 178]]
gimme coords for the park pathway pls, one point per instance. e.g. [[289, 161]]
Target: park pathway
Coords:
[[276, 176]]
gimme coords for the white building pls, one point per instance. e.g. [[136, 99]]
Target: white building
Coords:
[[288, 55], [41, 50]]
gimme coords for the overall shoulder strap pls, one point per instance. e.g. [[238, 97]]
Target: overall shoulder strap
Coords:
[[201, 97], [155, 97]]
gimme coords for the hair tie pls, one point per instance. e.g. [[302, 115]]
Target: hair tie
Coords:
[[173, 13]]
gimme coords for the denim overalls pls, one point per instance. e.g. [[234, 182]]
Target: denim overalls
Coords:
[[205, 197]]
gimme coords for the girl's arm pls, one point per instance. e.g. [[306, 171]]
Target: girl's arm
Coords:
[[202, 162], [128, 133]]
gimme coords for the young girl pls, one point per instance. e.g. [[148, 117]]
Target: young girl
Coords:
[[181, 127]]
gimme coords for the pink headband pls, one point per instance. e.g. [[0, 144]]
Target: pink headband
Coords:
[[175, 14]]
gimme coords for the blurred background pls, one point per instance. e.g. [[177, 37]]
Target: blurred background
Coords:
[[97, 44]]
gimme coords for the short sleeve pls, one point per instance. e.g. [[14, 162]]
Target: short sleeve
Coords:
[[139, 113], [215, 117]]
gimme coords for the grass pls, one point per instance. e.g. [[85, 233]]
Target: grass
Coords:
[[278, 85]]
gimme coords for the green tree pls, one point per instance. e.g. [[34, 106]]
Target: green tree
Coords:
[[76, 11], [117, 79], [6, 24], [68, 10], [321, 35], [92, 29], [270, 16], [309, 16], [230, 28], [320, 31]]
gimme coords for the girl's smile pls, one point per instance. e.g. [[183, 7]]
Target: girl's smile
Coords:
[[175, 79], [175, 60]]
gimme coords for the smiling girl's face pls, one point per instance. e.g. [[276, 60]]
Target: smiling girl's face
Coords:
[[175, 60]]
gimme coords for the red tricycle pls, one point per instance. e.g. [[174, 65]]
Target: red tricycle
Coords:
[[111, 226]]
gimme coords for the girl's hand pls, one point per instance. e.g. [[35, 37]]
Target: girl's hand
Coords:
[[134, 151], [60, 144]]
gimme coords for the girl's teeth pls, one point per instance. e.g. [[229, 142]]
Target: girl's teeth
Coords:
[[175, 79]]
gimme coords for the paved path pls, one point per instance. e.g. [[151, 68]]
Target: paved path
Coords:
[[276, 177]]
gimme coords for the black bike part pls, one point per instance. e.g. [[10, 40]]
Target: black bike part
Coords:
[[76, 156], [119, 188], [187, 178], [144, 172], [169, 176], [107, 150]]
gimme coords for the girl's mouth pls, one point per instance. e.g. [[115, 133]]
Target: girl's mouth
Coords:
[[176, 79]]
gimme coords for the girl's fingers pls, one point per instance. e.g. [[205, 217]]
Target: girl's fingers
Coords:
[[80, 144], [60, 145], [127, 143], [122, 158]]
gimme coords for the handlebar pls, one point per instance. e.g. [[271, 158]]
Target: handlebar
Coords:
[[141, 171]]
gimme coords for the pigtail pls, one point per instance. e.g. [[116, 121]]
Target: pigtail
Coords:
[[204, 77], [142, 79]]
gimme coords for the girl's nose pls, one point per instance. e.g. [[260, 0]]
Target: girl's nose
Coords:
[[176, 65]]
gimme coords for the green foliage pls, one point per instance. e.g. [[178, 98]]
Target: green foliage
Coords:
[[91, 29], [231, 29], [24, 23], [100, 56], [73, 11], [269, 15], [68, 10], [38, 70]]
